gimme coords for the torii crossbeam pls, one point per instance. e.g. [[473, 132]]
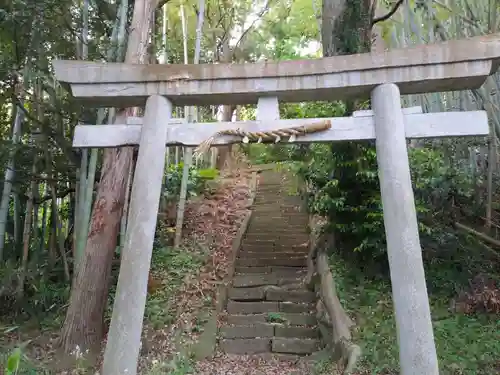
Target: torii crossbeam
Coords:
[[454, 65]]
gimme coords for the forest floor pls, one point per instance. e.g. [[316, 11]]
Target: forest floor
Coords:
[[463, 283], [181, 299], [185, 290]]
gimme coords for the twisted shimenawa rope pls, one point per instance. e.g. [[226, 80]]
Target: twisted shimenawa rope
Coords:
[[266, 136]]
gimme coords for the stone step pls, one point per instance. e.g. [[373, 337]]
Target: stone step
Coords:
[[296, 307], [277, 227], [275, 242], [296, 331], [257, 330], [278, 231], [283, 295], [279, 193], [277, 212], [279, 206], [273, 201], [235, 307], [262, 307], [255, 279], [289, 319], [247, 294], [279, 239], [271, 254], [273, 186], [282, 238], [281, 243], [275, 247], [270, 293], [258, 249], [280, 224], [262, 330], [285, 206], [294, 345], [281, 271], [298, 262], [245, 346], [262, 212]]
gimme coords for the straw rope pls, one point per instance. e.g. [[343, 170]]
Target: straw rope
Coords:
[[266, 136]]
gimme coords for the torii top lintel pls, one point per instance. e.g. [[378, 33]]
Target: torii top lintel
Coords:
[[452, 65]]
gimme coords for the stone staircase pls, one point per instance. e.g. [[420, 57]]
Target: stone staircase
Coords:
[[269, 310]]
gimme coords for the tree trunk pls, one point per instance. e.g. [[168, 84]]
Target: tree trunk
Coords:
[[224, 152], [346, 26], [84, 320], [26, 236], [9, 177], [346, 29], [83, 325]]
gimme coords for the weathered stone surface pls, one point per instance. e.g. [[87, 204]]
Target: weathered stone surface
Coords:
[[294, 345], [290, 332], [298, 319], [296, 308], [256, 279], [286, 270], [455, 65], [245, 346], [293, 262], [242, 294], [268, 279], [265, 224], [272, 253], [240, 281], [205, 347], [239, 319], [298, 248], [245, 270], [257, 330], [234, 307], [279, 294]]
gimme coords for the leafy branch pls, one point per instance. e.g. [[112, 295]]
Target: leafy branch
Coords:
[[389, 14]]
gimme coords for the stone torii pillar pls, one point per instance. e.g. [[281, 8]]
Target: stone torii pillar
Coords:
[[447, 66], [409, 291]]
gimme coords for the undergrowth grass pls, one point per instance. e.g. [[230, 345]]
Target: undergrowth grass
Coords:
[[466, 344], [170, 266]]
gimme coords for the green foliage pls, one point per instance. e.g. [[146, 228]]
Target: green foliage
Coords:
[[274, 317], [345, 187], [13, 362], [208, 173], [441, 183], [196, 180], [181, 364], [44, 294], [464, 343], [172, 266], [346, 191]]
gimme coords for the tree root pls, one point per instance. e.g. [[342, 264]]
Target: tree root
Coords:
[[353, 353], [332, 319]]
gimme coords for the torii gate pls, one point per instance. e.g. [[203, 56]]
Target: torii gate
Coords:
[[454, 65]]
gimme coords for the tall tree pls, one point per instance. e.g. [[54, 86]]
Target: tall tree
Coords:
[[84, 326]]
